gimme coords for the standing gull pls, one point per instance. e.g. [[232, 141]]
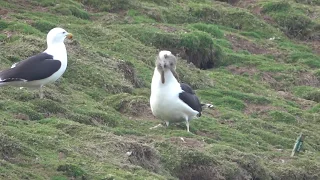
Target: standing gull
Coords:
[[170, 100], [41, 69]]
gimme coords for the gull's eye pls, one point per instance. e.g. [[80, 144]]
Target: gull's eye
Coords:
[[63, 32]]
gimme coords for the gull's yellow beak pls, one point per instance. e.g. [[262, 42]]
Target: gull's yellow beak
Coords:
[[69, 36]]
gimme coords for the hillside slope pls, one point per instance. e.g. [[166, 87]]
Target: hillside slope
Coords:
[[257, 62]]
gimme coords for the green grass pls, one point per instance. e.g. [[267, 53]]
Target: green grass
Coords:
[[94, 122], [291, 19]]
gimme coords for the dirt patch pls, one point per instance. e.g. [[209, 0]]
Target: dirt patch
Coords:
[[165, 28], [208, 134], [245, 4], [3, 12], [243, 70], [130, 73], [280, 82], [146, 115], [28, 4], [196, 165], [11, 149], [187, 142], [268, 78], [239, 44], [307, 79], [252, 109], [193, 172], [136, 108], [144, 156], [315, 46], [21, 116], [256, 10], [304, 103], [228, 122]]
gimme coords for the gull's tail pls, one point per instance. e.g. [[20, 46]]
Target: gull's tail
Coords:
[[207, 106], [1, 82]]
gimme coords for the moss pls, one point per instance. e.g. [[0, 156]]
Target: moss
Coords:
[[307, 92], [315, 109], [28, 110], [247, 97], [151, 35], [228, 101], [75, 11], [211, 29], [291, 21], [10, 147], [48, 106], [198, 166], [3, 25], [282, 116], [103, 118], [2, 37], [309, 2], [109, 5], [276, 7], [23, 28], [72, 170], [139, 18], [59, 178], [201, 50], [43, 26], [205, 13], [293, 24], [125, 103], [317, 74], [251, 34], [63, 10], [122, 132], [159, 2], [44, 3], [71, 10]]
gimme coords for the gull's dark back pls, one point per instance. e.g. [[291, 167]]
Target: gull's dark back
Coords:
[[189, 97]]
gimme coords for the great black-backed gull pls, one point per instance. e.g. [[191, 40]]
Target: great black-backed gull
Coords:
[[41, 69], [170, 100]]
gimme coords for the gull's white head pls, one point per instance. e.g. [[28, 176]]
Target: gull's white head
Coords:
[[165, 62], [57, 35]]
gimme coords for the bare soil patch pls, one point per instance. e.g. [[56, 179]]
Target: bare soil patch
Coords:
[[21, 116], [208, 134], [134, 108], [28, 4], [203, 172], [307, 79], [187, 142], [245, 4], [130, 73], [258, 109], [239, 44], [304, 103], [298, 79], [243, 70], [315, 45], [165, 28], [144, 156], [146, 114]]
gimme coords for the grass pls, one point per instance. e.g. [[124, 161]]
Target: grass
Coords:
[[94, 122]]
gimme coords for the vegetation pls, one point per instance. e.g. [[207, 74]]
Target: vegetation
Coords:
[[257, 64]]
